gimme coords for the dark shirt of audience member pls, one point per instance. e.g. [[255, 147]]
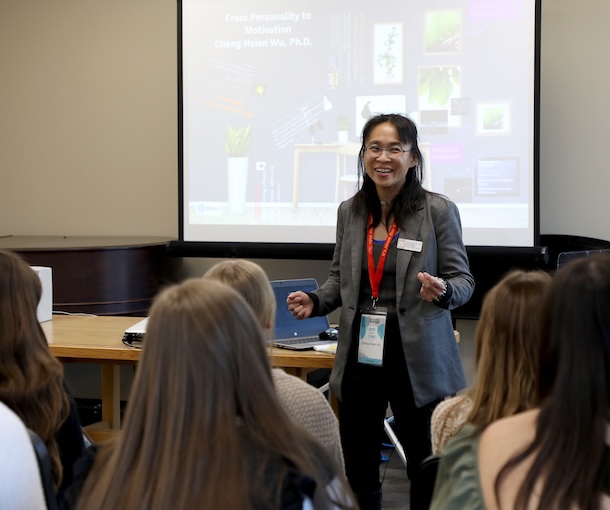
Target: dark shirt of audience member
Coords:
[[31, 378], [203, 426]]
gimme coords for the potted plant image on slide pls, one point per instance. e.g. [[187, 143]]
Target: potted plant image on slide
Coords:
[[238, 141], [343, 128]]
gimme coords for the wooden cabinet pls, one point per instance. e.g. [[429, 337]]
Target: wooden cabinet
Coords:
[[100, 275]]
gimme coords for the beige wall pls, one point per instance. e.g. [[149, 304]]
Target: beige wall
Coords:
[[575, 118], [88, 142]]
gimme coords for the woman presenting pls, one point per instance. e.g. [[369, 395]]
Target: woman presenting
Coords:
[[398, 267]]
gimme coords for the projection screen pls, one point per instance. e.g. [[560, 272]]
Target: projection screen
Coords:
[[273, 96]]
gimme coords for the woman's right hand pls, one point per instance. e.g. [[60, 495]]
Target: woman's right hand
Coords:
[[299, 304]]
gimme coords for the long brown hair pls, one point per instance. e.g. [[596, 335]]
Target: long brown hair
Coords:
[[507, 342], [31, 379], [569, 467], [203, 394]]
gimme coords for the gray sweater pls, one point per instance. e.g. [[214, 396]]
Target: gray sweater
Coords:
[[308, 408]]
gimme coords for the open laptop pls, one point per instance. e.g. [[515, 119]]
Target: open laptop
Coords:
[[291, 333], [564, 258]]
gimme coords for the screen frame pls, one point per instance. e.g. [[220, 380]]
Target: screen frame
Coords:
[[324, 251]]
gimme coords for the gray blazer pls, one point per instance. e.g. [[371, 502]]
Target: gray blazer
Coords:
[[431, 353]]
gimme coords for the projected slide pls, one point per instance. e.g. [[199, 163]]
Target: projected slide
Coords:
[[275, 94]]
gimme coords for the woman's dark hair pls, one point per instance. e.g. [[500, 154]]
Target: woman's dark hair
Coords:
[[574, 384], [411, 195]]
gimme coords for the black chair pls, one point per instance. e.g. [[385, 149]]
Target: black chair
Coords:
[[422, 487], [44, 466]]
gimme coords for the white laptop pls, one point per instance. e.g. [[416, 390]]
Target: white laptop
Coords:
[[291, 333], [134, 335]]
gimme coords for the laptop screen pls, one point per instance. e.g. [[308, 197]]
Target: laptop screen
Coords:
[[565, 258], [286, 326]]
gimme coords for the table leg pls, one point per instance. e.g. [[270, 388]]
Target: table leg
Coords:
[[299, 372], [111, 395], [334, 403]]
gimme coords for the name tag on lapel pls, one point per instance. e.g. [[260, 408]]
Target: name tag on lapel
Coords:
[[409, 244]]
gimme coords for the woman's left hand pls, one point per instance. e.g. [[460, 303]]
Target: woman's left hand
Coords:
[[431, 286]]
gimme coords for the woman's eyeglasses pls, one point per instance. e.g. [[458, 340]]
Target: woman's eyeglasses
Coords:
[[374, 151]]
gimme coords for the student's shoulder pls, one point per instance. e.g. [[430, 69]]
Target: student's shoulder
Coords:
[[281, 377], [499, 442], [447, 419], [289, 383], [304, 403], [452, 405], [517, 429]]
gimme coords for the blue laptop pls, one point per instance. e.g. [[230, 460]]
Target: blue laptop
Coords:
[[291, 333]]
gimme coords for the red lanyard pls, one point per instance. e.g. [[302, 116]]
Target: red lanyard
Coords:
[[375, 274]]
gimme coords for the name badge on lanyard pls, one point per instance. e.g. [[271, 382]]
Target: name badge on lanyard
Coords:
[[371, 336]]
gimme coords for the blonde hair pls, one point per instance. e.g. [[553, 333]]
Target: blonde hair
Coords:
[[202, 397], [251, 282], [507, 340]]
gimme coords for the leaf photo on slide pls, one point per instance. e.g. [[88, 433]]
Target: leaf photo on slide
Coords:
[[438, 84], [494, 118], [443, 32]]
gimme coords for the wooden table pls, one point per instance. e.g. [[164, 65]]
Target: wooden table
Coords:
[[98, 339]]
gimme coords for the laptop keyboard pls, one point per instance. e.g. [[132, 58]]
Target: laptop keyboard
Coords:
[[302, 340]]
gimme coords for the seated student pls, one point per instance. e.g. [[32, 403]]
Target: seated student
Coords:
[[20, 482], [556, 456], [506, 345], [203, 427], [31, 378], [304, 404]]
